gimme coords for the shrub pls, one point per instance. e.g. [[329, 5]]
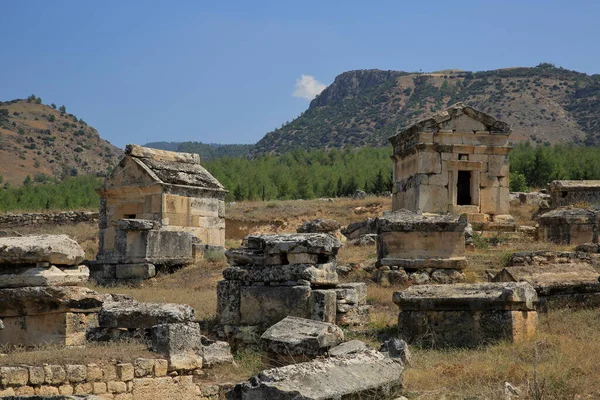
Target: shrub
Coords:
[[517, 182]]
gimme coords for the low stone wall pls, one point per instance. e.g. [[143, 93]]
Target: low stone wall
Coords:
[[144, 379], [67, 217]]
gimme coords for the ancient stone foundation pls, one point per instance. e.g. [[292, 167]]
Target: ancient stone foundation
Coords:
[[144, 379], [466, 315], [569, 226], [64, 218], [561, 279], [275, 276], [418, 249]]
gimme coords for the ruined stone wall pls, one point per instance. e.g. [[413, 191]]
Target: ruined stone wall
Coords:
[[62, 218], [144, 379]]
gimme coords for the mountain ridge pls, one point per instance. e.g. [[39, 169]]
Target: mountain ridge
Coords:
[[543, 104]]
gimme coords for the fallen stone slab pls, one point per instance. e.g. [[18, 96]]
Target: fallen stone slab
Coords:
[[50, 300], [361, 375], [351, 347], [468, 296], [313, 243], [53, 276], [215, 352], [52, 249], [294, 336], [358, 229], [133, 314]]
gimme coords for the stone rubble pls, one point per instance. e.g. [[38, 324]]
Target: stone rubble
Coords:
[[275, 276]]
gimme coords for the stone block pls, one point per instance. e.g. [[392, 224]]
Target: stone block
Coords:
[[55, 374], [76, 373], [143, 367], [24, 391], [67, 329], [181, 342], [495, 200], [352, 293], [133, 314], [53, 249], [316, 274], [164, 388], [125, 371], [266, 305], [98, 387], [302, 258], [300, 336], [47, 391], [66, 390], [498, 165], [116, 387], [366, 374], [94, 373], [215, 353], [51, 276], [160, 367], [316, 243], [135, 271], [429, 163], [323, 305], [43, 300], [14, 376], [465, 328], [511, 296], [36, 375], [354, 315], [420, 246], [351, 347]]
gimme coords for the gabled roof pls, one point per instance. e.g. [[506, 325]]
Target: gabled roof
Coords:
[[173, 168], [439, 121]]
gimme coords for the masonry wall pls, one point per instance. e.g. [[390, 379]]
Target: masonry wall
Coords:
[[62, 218], [204, 217], [144, 379]]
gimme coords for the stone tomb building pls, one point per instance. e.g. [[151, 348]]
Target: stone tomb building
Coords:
[[156, 207], [574, 193], [454, 161]]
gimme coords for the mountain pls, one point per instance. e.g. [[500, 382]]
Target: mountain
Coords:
[[44, 142], [543, 104], [207, 151]]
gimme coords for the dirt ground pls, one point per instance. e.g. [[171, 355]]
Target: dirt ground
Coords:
[[560, 362]]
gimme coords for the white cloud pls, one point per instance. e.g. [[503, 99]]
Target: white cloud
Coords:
[[307, 87]]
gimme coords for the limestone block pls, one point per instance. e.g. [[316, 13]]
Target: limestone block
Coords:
[[133, 314], [55, 374], [432, 198], [303, 258], [440, 179], [239, 257], [65, 329], [488, 181], [116, 387], [319, 226], [420, 245], [160, 367], [53, 249], [143, 367], [323, 305], [215, 353], [181, 342], [354, 315], [498, 165], [300, 336], [83, 388], [44, 300], [125, 371], [164, 388], [135, 271], [316, 274], [495, 200], [367, 374], [52, 276], [511, 296], [352, 293], [317, 243], [14, 376], [36, 375], [466, 328], [65, 390], [266, 305], [351, 347], [94, 373], [24, 391], [98, 387], [76, 373], [429, 163], [47, 391]]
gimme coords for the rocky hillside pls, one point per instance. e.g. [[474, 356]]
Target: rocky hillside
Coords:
[[365, 107], [42, 141]]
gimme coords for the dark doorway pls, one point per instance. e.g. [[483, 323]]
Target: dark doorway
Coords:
[[463, 188]]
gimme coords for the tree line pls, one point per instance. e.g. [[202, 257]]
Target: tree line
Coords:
[[302, 174]]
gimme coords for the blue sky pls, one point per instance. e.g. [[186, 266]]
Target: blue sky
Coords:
[[225, 71]]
